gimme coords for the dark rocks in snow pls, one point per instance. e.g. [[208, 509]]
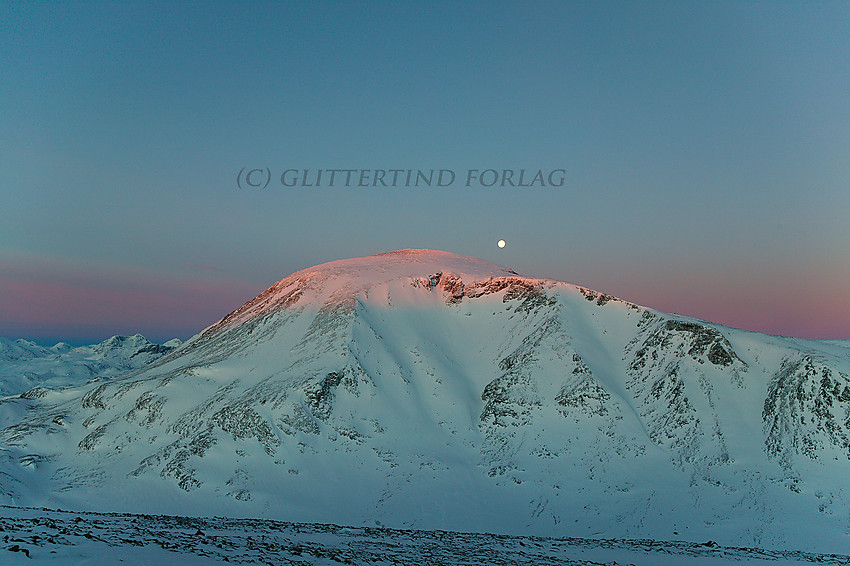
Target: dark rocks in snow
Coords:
[[45, 534]]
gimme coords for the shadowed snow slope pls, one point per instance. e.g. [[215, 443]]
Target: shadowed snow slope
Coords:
[[422, 389]]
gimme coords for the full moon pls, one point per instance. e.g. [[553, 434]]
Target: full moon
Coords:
[[501, 243]]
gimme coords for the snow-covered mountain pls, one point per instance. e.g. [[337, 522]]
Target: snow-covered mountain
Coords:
[[25, 365], [422, 389]]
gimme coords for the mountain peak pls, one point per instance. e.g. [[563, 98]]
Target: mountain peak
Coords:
[[345, 279], [387, 266]]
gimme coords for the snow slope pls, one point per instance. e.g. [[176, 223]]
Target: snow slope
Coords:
[[422, 389]]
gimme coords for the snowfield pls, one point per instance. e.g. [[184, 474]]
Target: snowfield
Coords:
[[428, 392]]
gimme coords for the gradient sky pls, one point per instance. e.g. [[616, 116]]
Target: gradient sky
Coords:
[[706, 147]]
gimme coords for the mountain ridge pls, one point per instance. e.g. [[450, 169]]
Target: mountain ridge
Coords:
[[456, 394]]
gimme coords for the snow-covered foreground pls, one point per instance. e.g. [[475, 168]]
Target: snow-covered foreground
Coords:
[[44, 536]]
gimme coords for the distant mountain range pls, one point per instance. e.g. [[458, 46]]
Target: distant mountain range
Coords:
[[422, 389], [25, 365]]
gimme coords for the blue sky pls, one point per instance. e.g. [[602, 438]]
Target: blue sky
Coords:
[[706, 147]]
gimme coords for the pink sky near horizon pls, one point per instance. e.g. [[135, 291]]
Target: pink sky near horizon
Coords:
[[77, 307], [793, 299], [47, 301]]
